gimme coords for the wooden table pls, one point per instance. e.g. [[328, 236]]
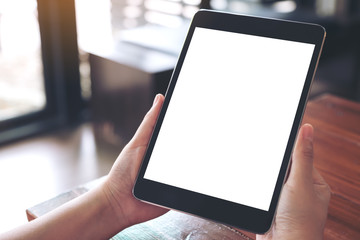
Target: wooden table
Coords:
[[337, 157]]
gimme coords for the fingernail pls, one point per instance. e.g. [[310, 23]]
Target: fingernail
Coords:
[[308, 132], [156, 99]]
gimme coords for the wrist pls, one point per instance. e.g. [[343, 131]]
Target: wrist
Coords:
[[100, 214], [114, 205], [295, 234]]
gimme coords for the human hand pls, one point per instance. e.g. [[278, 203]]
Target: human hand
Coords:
[[106, 209], [302, 209], [121, 179]]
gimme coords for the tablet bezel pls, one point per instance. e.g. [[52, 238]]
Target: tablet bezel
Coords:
[[241, 216]]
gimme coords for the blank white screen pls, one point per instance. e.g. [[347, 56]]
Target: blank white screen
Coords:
[[230, 115]]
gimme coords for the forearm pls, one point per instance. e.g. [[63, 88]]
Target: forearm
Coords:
[[106, 210], [86, 217]]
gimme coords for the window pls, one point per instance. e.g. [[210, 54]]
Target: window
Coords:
[[39, 73], [21, 79], [102, 24], [102, 20], [163, 12]]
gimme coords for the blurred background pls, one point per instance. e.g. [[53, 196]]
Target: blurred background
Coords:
[[77, 76]]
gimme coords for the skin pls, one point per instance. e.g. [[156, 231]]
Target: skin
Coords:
[[111, 207], [106, 210], [303, 205]]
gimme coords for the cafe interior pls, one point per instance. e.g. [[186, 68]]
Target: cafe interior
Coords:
[[78, 76]]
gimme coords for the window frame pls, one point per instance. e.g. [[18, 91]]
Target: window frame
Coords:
[[60, 59]]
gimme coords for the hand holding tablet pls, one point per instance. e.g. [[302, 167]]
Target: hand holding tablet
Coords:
[[222, 143]]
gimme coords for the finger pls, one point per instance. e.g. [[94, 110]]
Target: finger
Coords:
[[145, 129], [317, 178], [322, 188], [302, 159]]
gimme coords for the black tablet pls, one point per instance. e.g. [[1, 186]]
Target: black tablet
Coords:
[[223, 140]]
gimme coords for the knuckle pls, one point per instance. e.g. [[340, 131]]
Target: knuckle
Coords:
[[308, 151]]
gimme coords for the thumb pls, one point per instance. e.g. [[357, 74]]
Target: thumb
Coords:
[[143, 133], [302, 159]]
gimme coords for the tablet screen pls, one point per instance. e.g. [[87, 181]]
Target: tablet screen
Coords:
[[228, 121]]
